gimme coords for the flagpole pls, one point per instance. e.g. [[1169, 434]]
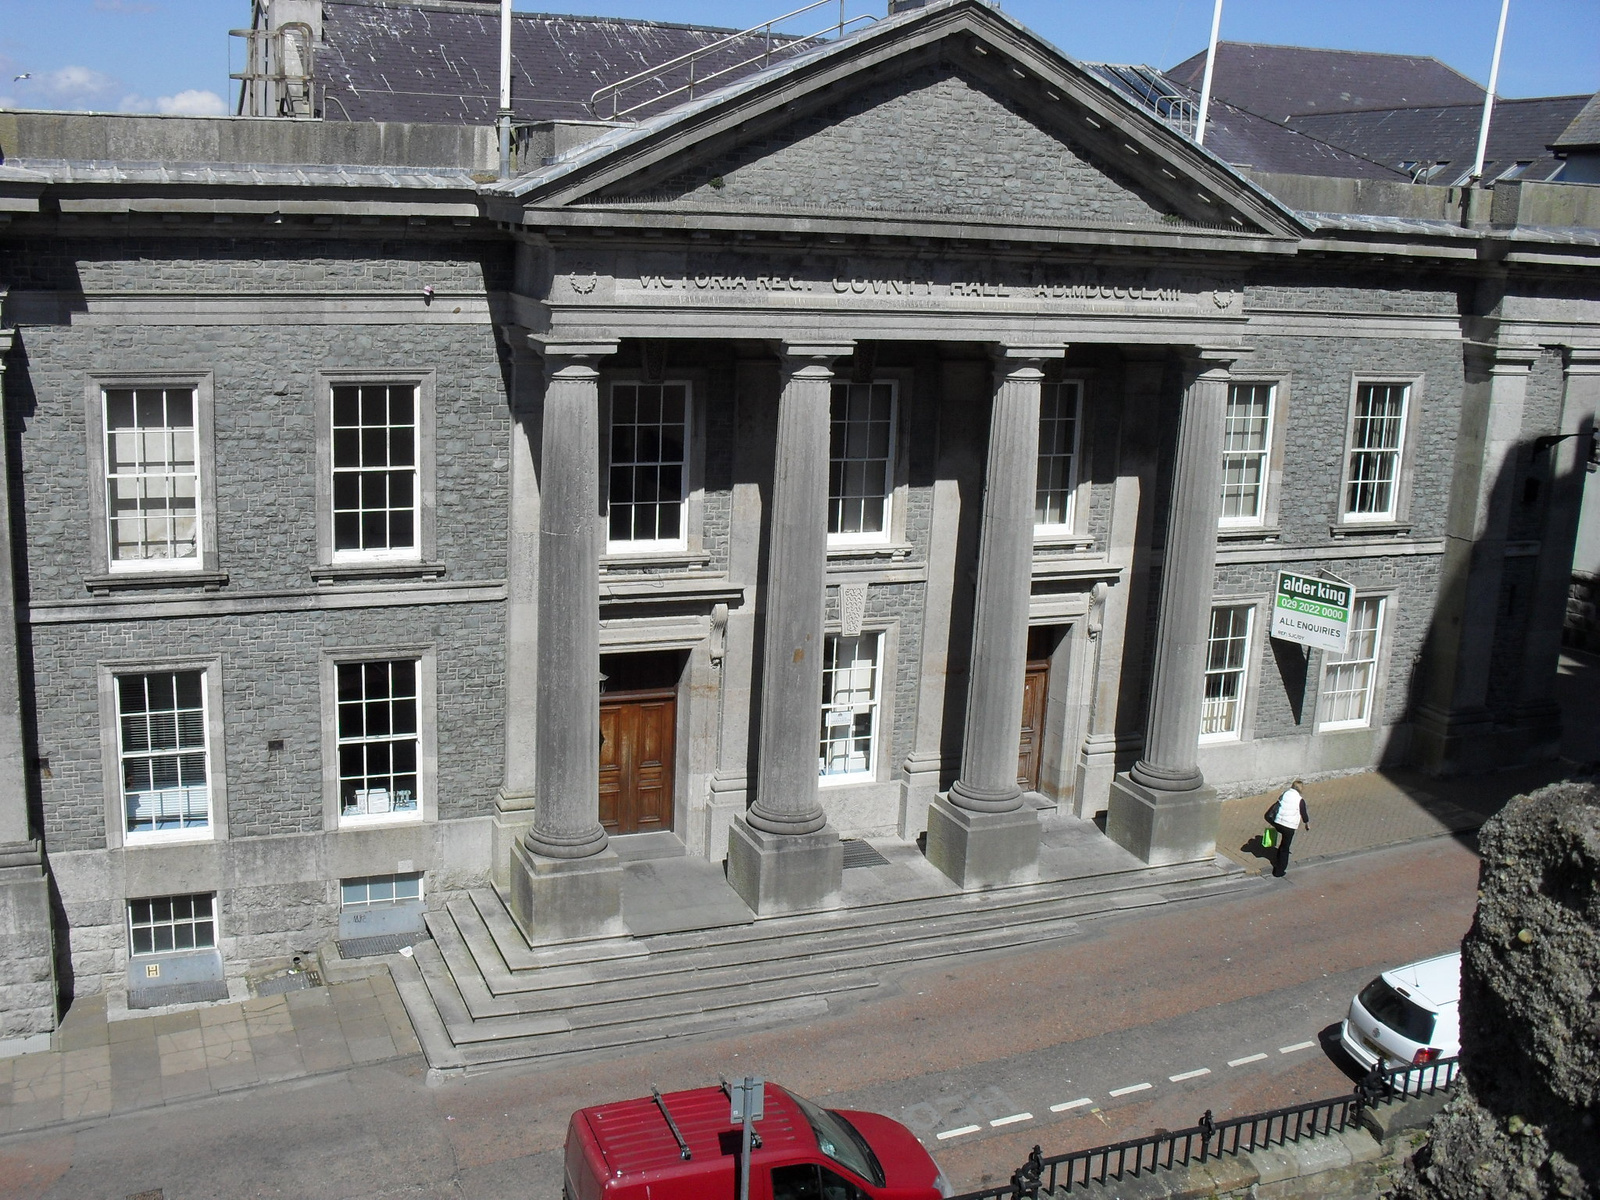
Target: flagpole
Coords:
[[1205, 84], [1488, 97]]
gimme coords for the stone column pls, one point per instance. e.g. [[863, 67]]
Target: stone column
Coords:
[[513, 803], [783, 856], [1161, 810], [565, 880], [27, 966], [1455, 731], [1538, 716], [984, 834]]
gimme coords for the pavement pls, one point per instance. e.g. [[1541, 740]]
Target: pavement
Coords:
[[98, 1066]]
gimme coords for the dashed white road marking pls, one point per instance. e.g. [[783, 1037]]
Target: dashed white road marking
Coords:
[[1249, 1058], [950, 1133], [1297, 1046], [1133, 1087], [1011, 1120], [1079, 1103], [1189, 1075]]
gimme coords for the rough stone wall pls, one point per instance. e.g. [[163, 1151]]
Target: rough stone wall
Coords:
[[1416, 294], [932, 141], [1525, 1125]]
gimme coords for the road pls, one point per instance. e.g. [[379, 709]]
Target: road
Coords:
[[1134, 1023]]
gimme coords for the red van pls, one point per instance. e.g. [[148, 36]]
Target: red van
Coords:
[[632, 1151]]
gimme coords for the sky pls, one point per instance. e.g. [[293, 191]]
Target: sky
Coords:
[[175, 55]]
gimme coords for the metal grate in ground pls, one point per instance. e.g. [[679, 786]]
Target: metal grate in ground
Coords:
[[178, 993], [368, 947], [858, 853], [294, 981]]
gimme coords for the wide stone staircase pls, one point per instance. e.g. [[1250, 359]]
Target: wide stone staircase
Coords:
[[479, 994]]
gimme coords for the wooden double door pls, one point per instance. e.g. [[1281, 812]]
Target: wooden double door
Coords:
[[637, 734]]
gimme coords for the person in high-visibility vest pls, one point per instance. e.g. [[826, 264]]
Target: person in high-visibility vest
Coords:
[[1288, 815]]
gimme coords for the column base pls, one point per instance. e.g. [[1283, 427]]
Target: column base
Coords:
[[921, 786], [1162, 828], [976, 850], [554, 899], [726, 799], [785, 873], [1099, 761], [1455, 743], [513, 817], [27, 969]]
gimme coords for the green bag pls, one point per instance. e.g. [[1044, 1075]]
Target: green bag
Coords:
[[1270, 837]]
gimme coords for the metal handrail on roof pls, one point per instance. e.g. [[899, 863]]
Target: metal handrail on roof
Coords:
[[613, 91], [1155, 92]]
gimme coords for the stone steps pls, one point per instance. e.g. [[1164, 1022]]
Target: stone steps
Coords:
[[491, 997]]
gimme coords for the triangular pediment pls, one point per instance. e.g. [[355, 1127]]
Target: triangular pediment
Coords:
[[954, 110]]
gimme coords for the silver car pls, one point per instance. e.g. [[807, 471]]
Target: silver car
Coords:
[[1408, 1016]]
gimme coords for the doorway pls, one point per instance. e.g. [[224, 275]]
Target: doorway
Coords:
[[638, 736], [1042, 641]]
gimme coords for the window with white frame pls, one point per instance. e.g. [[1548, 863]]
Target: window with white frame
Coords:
[[163, 748], [162, 924], [1377, 439], [850, 699], [1246, 451], [647, 481], [378, 748], [1227, 671], [1060, 411], [861, 468], [152, 478], [375, 891], [1349, 679], [375, 486]]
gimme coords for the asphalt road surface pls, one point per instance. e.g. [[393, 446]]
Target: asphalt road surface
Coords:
[[1132, 1024]]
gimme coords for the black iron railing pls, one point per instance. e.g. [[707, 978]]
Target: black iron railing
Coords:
[[1211, 1138]]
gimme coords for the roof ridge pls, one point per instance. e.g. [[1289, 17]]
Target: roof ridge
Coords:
[[1475, 104]]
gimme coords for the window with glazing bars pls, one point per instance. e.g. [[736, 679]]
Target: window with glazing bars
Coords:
[[161, 723], [378, 738], [861, 456], [1377, 432], [1227, 665], [1060, 406], [850, 680], [152, 476], [164, 923], [649, 440], [1246, 446], [1348, 679], [375, 470], [368, 890]]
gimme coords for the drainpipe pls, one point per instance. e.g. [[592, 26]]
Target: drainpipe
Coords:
[[505, 89]]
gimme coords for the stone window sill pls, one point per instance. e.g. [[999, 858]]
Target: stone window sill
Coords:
[[1249, 533], [1062, 543], [669, 560], [879, 552], [133, 581], [331, 573], [1373, 529]]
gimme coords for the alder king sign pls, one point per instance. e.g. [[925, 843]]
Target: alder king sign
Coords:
[[1312, 611]]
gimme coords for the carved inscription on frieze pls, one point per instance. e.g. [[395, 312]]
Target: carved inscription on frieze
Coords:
[[1051, 289]]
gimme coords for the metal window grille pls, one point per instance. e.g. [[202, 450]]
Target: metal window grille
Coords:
[[1247, 442], [1348, 679], [162, 729], [1227, 661], [850, 678], [164, 923], [1060, 407], [367, 890], [152, 475], [649, 437], [1375, 440], [861, 454], [375, 469], [378, 738]]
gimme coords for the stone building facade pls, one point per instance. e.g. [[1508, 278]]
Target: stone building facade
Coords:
[[894, 442]]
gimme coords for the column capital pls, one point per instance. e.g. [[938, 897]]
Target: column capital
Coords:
[[558, 351], [1578, 360], [1213, 362], [815, 352], [1494, 358]]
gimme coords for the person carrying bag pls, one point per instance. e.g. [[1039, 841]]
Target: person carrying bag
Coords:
[[1284, 817]]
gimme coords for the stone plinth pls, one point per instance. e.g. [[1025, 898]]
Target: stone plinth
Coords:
[[1163, 827], [786, 872], [978, 850], [554, 899], [27, 966]]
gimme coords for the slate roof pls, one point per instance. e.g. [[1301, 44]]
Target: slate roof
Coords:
[[1585, 128], [1519, 131], [1278, 82], [439, 62]]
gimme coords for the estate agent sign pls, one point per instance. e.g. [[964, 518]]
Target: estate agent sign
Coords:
[[1312, 611]]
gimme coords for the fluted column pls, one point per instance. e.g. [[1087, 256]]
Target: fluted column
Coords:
[[983, 835], [783, 856], [1162, 810], [568, 883]]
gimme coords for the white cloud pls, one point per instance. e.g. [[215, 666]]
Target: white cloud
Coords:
[[193, 102], [76, 84]]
